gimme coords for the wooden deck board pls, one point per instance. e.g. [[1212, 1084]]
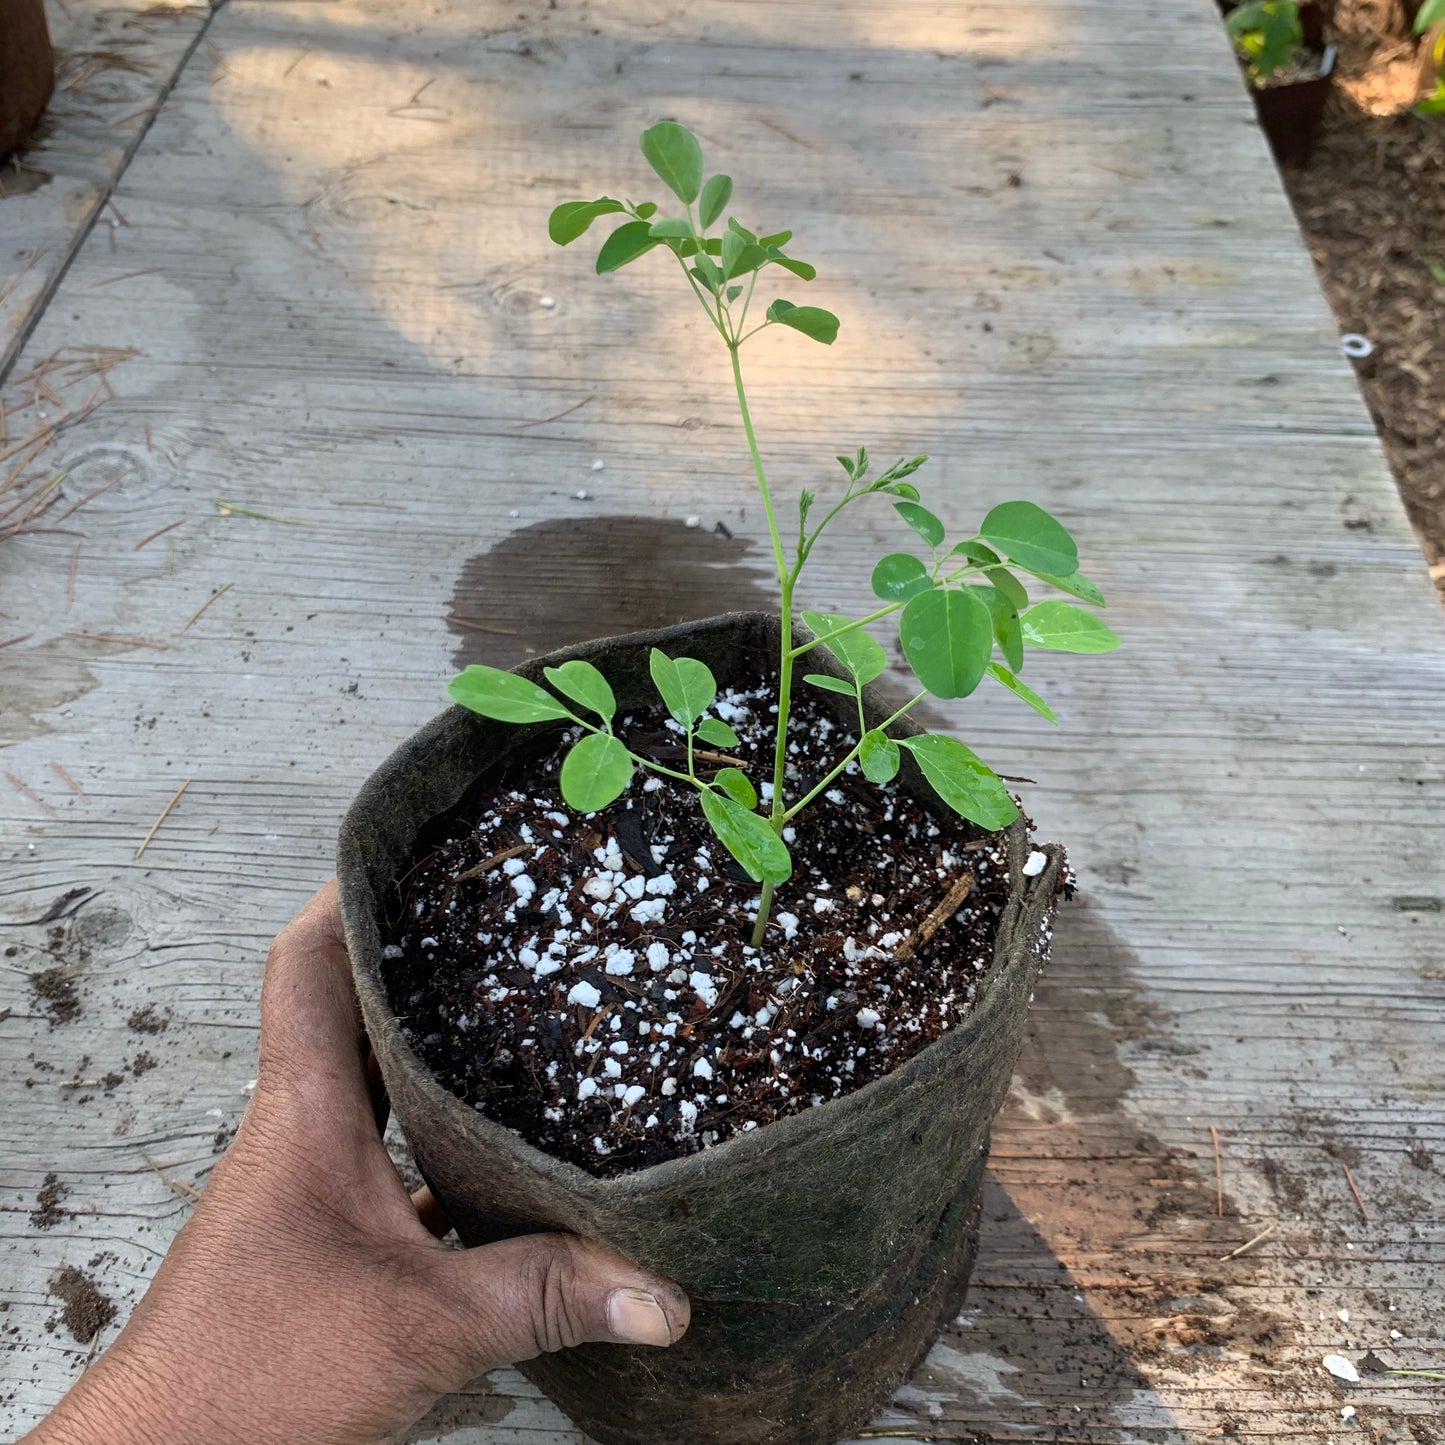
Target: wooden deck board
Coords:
[[335, 282]]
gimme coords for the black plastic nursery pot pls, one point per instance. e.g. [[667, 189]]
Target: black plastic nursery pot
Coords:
[[821, 1252], [1291, 114]]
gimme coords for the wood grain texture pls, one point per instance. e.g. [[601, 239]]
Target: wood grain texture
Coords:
[[335, 273], [115, 64]]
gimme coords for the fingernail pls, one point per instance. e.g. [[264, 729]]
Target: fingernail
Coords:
[[635, 1316]]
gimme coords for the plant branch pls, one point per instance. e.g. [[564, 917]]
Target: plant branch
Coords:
[[848, 758]]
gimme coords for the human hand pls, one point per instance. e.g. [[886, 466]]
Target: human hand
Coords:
[[306, 1300]]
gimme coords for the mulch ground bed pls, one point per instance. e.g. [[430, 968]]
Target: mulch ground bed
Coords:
[[1371, 203]]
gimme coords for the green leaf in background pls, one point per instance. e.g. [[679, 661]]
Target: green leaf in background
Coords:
[[778, 238], [671, 228], [503, 696], [947, 637], [899, 576], [595, 772], [583, 684], [646, 211], [1061, 627], [1019, 689], [737, 226], [685, 684], [878, 756], [922, 521], [1009, 585], [1005, 620], [861, 654], [739, 256], [976, 552], [749, 838], [715, 732], [736, 784], [674, 153], [1026, 534], [830, 684], [572, 218], [1429, 15], [961, 778], [810, 320], [1075, 584], [715, 196], [625, 244]]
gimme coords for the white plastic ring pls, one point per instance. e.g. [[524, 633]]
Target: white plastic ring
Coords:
[[1355, 346]]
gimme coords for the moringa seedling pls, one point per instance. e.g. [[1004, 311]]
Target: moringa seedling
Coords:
[[958, 603], [1267, 34]]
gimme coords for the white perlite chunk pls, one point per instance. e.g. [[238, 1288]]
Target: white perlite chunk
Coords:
[[658, 957], [663, 885], [702, 1069], [585, 994], [586, 1089], [669, 1087], [612, 1068], [788, 922], [598, 887], [1342, 1369], [868, 1018], [633, 1093], [513, 866], [1035, 865], [704, 987], [523, 887], [620, 964]]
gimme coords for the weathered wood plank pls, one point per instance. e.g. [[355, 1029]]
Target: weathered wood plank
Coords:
[[335, 273], [115, 63]]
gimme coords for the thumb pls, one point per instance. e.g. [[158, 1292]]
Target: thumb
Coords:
[[523, 1297]]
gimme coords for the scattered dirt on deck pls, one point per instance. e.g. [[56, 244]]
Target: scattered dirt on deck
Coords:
[[87, 1311], [47, 1212]]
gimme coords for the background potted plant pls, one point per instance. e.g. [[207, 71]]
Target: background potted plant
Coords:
[[1430, 27], [1289, 70], [27, 71], [664, 940]]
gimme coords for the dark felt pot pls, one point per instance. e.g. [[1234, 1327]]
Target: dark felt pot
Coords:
[[27, 70], [822, 1252]]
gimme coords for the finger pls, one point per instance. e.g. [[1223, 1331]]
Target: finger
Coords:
[[311, 1032], [430, 1212], [523, 1297]]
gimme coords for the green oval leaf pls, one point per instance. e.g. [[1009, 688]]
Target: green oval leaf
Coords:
[[749, 838], [810, 320], [976, 552], [1009, 585], [1005, 619], [714, 731], [1019, 689], [674, 153], [685, 684], [878, 756], [671, 227], [1026, 534], [861, 654], [503, 696], [961, 778], [736, 784], [830, 684], [947, 638], [899, 576], [922, 521], [625, 244], [1061, 627], [778, 238], [906, 490], [646, 211], [801, 269], [595, 773], [583, 684], [715, 196], [1076, 585], [572, 218], [736, 225]]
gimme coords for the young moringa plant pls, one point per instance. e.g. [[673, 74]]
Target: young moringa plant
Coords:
[[957, 602]]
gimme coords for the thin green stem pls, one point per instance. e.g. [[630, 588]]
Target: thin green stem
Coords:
[[848, 758]]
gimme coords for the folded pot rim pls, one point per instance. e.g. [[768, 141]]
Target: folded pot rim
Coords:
[[358, 903]]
